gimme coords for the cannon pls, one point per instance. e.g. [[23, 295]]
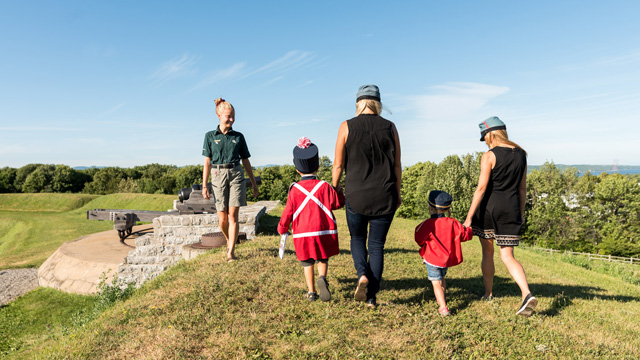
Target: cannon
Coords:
[[190, 201]]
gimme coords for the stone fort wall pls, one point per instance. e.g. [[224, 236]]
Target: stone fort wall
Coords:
[[172, 235]]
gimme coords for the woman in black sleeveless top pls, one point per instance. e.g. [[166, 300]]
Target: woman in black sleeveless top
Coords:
[[497, 208], [368, 149]]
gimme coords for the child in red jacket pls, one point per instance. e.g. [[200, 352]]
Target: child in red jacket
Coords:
[[439, 238], [308, 211]]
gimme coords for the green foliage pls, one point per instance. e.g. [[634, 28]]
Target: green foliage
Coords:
[[7, 180], [187, 176], [40, 180], [65, 179], [111, 292], [583, 213], [22, 174], [455, 175], [276, 180], [105, 181]]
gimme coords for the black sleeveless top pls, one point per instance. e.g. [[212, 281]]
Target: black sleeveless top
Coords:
[[370, 180], [498, 215]]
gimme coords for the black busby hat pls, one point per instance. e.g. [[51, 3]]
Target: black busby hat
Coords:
[[305, 156], [440, 200]]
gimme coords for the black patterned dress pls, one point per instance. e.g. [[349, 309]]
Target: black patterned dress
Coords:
[[498, 216]]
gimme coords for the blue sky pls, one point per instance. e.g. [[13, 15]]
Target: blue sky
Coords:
[[126, 83]]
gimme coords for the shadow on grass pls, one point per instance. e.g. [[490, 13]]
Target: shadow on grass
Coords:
[[268, 225], [468, 290]]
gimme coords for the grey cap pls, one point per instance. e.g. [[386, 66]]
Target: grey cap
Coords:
[[368, 92], [490, 124]]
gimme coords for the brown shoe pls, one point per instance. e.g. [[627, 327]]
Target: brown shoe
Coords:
[[361, 289]]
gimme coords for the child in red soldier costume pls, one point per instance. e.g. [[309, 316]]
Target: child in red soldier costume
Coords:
[[439, 238], [308, 211]]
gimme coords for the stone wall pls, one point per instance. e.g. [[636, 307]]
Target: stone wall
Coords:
[[157, 252]]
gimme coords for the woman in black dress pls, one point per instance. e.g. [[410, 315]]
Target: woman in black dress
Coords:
[[497, 208]]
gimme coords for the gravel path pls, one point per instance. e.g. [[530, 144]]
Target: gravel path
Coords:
[[15, 282]]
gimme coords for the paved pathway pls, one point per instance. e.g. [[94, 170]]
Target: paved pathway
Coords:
[[15, 282]]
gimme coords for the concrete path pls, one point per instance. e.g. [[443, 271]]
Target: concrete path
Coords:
[[77, 265]]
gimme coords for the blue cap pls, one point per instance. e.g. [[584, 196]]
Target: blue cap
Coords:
[[440, 200], [490, 124], [368, 92]]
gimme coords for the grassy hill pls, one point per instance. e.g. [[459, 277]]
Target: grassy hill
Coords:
[[33, 226], [255, 308]]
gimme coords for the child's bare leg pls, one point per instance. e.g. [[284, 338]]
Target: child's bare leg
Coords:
[[322, 268], [308, 276], [438, 290]]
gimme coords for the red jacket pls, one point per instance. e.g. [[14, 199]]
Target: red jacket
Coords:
[[439, 239], [308, 211]]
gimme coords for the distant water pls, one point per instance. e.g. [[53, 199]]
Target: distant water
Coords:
[[623, 172]]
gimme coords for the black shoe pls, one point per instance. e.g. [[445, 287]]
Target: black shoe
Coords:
[[311, 296], [323, 288], [371, 303], [528, 304]]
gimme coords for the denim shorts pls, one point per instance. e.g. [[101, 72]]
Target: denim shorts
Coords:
[[435, 273]]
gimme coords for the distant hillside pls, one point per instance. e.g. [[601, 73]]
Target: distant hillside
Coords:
[[592, 168]]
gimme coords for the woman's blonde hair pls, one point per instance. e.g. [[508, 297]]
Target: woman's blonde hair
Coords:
[[223, 104], [373, 105], [501, 136]]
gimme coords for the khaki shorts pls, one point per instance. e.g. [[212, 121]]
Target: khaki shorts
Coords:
[[228, 187]]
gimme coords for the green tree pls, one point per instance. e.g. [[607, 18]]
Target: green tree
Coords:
[[325, 169], [21, 175], [7, 180], [547, 216], [40, 180], [105, 181], [617, 201], [187, 176], [64, 179]]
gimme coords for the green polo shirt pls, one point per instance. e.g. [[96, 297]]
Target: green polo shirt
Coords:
[[225, 148]]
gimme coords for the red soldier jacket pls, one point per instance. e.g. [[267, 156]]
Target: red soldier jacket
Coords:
[[439, 238], [308, 211]]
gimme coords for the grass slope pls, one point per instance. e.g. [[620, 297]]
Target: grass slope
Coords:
[[33, 226], [43, 202], [255, 308]]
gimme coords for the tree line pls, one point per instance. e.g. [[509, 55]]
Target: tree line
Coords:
[[565, 209]]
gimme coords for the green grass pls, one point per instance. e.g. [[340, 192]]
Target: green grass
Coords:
[[255, 308], [40, 317], [29, 236], [43, 202]]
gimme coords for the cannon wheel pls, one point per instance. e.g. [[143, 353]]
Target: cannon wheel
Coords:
[[123, 235]]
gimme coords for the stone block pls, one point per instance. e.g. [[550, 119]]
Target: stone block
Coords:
[[170, 251], [143, 240], [168, 220], [187, 220], [210, 220]]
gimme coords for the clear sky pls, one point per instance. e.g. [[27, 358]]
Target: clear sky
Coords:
[[126, 83]]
